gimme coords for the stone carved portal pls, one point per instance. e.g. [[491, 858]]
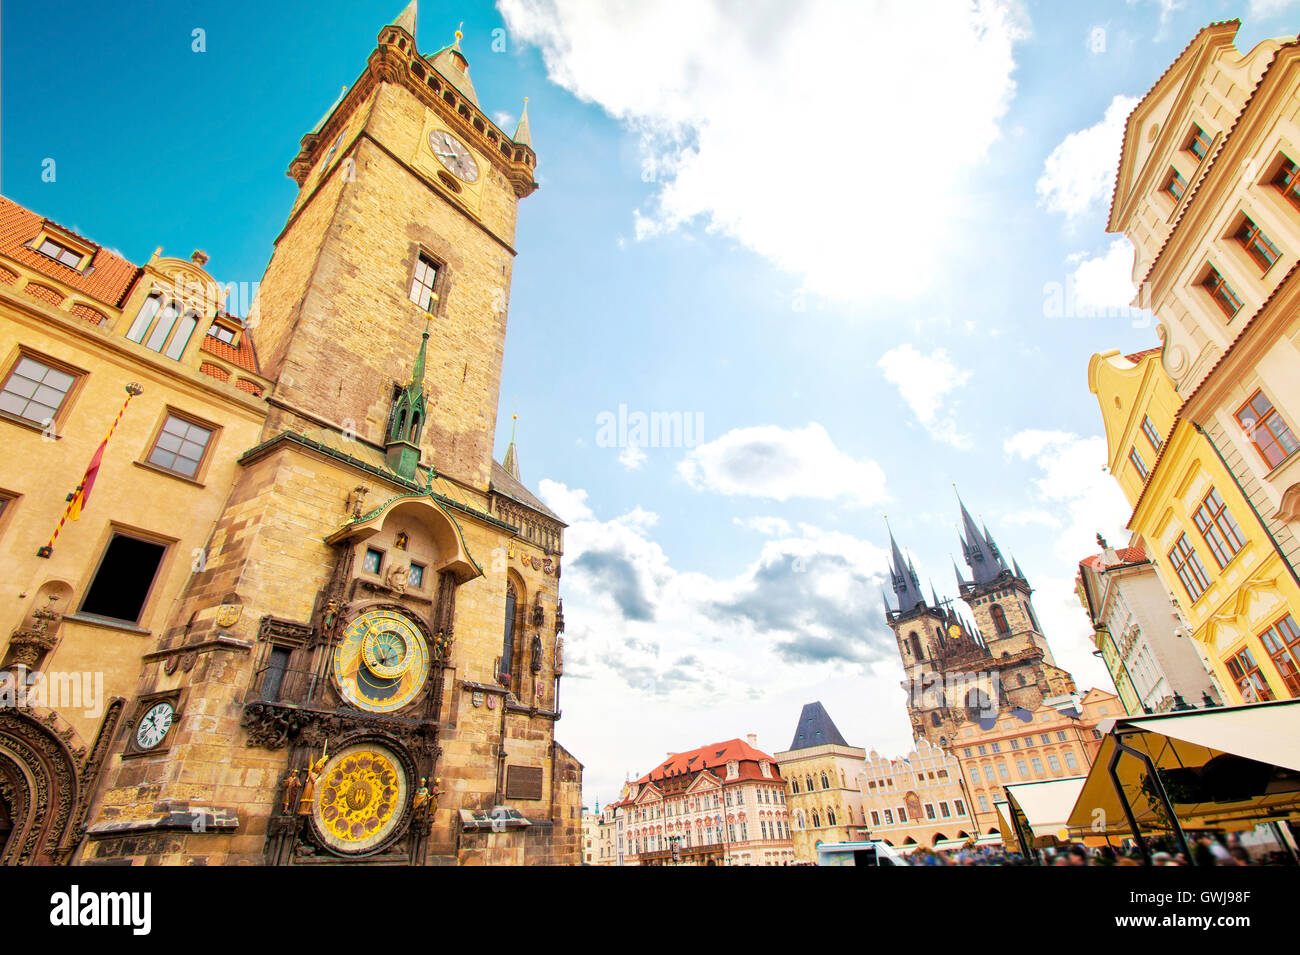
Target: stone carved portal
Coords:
[[38, 790]]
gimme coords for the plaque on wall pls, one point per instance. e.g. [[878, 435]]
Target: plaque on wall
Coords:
[[523, 782]]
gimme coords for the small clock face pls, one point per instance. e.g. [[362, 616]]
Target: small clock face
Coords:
[[453, 154], [382, 661], [154, 725]]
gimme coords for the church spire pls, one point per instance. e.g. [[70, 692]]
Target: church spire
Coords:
[[451, 63], [523, 135], [406, 19], [903, 578], [980, 554], [511, 462]]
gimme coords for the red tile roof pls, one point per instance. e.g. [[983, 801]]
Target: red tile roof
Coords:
[[1127, 555], [109, 279], [1137, 356], [242, 355], [711, 757]]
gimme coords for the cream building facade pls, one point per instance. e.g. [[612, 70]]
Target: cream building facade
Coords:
[[821, 772]]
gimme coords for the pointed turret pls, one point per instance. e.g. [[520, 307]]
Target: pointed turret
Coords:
[[981, 555], [884, 598], [511, 462], [1015, 566], [903, 579], [451, 63], [523, 135], [406, 19], [406, 418]]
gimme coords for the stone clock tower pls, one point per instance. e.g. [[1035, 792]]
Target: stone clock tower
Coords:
[[365, 665]]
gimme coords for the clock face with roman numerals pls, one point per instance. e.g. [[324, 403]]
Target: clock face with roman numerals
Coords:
[[154, 725], [453, 154]]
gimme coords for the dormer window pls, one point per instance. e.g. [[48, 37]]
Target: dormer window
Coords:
[[223, 333], [60, 253]]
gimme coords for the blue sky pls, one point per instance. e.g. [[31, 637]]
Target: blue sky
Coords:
[[825, 229]]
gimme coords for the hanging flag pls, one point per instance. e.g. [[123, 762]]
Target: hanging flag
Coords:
[[81, 496]]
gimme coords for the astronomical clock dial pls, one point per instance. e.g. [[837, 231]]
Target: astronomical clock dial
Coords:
[[454, 155], [362, 795], [382, 661], [154, 725]]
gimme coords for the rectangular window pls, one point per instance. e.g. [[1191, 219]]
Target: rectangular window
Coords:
[[1138, 463], [1250, 681], [273, 675], [1038, 766], [995, 747], [983, 751], [60, 253], [1015, 744], [1189, 568], [1198, 143], [221, 333], [988, 773], [1175, 184], [1214, 521], [1022, 768], [35, 391], [426, 277], [958, 807], [875, 818], [1257, 245], [1003, 773], [1071, 762], [929, 810], [889, 818], [1053, 763], [1060, 736], [1221, 292], [902, 814], [1282, 641], [1288, 180], [1266, 430], [1150, 431], [125, 576], [1045, 738], [372, 561], [984, 803], [944, 810], [968, 752], [416, 577], [180, 446]]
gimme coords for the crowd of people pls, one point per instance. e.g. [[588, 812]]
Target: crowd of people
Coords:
[[1207, 848]]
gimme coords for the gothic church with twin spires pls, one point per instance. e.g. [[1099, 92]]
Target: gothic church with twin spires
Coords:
[[962, 668]]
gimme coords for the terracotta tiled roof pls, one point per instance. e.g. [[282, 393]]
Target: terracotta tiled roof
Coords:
[[1127, 555], [1137, 356], [242, 355], [712, 757], [107, 281]]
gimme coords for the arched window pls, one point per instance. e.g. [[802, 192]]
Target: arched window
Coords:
[[794, 783], [999, 620], [508, 639], [416, 422], [817, 819], [826, 784], [808, 781], [830, 816], [799, 816], [915, 641], [934, 719]]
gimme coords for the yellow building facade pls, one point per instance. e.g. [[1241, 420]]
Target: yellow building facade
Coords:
[[1224, 572], [1208, 191], [327, 622], [821, 773]]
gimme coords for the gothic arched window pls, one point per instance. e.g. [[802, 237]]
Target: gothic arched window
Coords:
[[934, 719], [508, 639], [825, 782], [999, 620], [830, 816], [794, 783], [915, 641], [817, 820], [809, 782]]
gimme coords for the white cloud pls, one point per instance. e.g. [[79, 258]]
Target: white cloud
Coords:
[[926, 383], [716, 658], [1103, 284], [569, 503], [735, 100], [1080, 171], [1073, 479], [781, 463], [632, 457], [767, 526], [1261, 9]]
